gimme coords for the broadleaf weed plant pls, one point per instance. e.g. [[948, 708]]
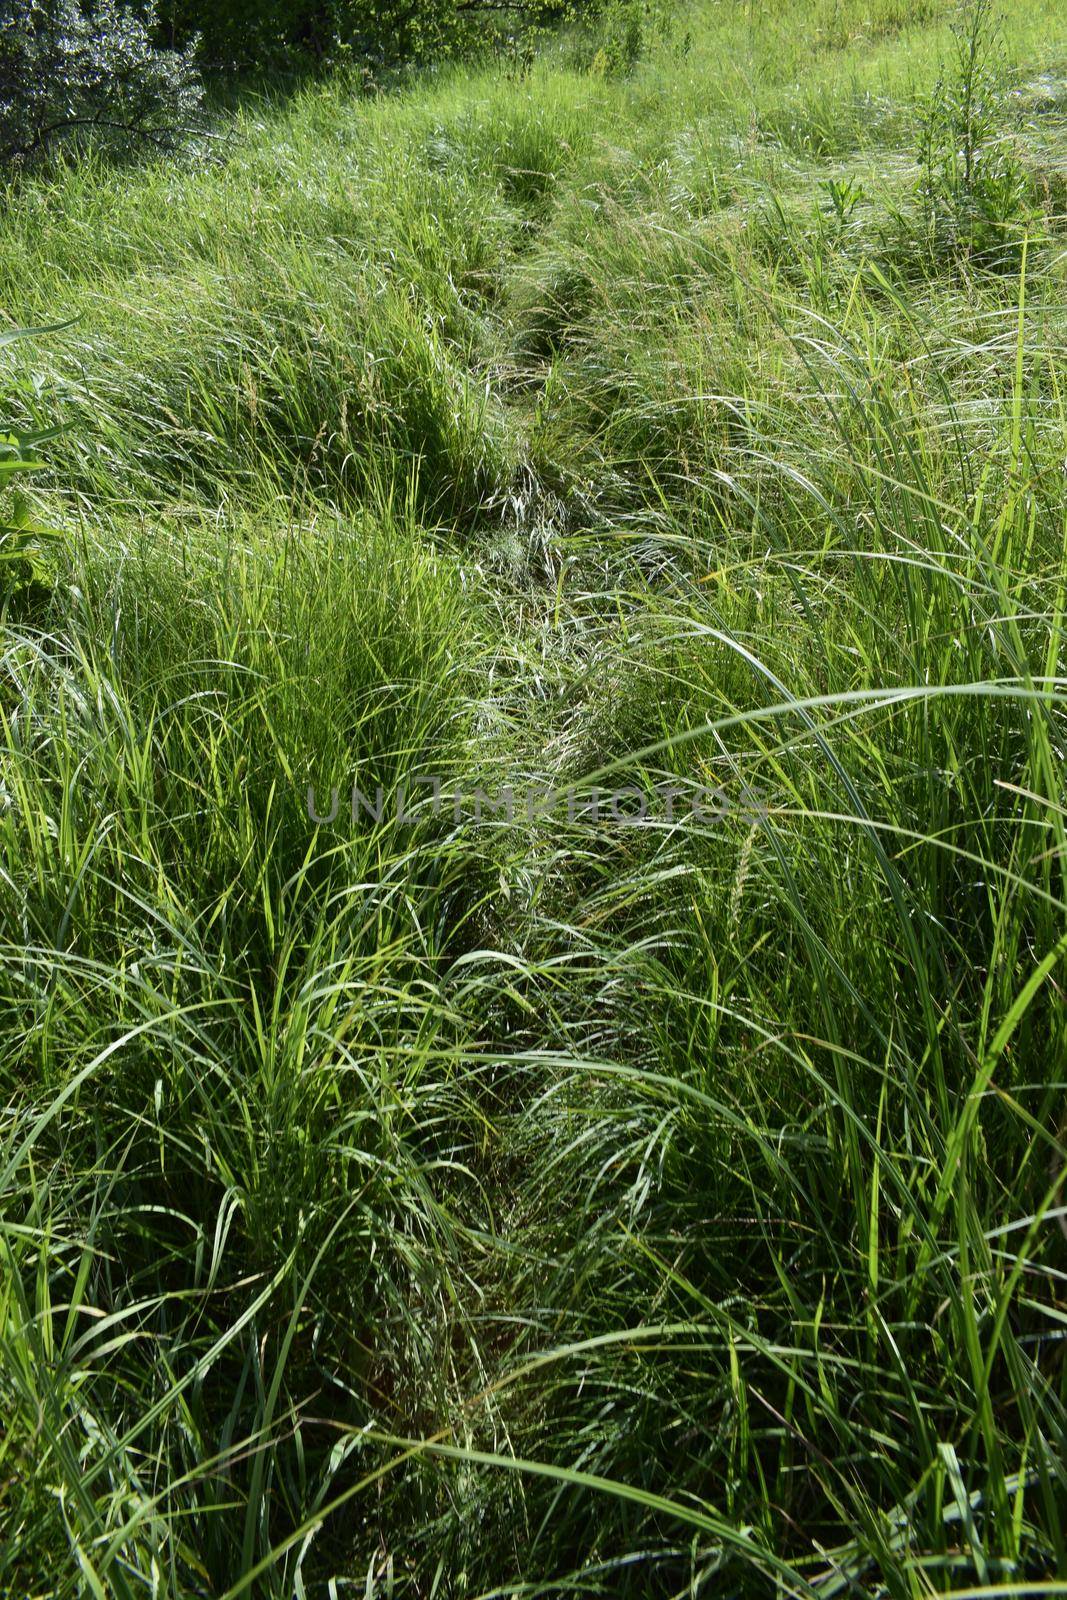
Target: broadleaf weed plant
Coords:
[[972, 184]]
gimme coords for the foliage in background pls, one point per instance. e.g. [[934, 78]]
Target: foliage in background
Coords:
[[622, 32], [375, 36], [71, 75]]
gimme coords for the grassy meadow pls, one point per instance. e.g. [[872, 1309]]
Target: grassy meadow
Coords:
[[442, 1202]]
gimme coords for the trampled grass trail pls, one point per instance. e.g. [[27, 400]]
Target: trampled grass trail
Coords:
[[654, 1186]]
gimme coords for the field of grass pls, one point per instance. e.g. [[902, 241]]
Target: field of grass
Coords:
[[655, 1197]]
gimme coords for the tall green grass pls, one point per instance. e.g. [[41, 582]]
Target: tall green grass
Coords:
[[439, 1204]]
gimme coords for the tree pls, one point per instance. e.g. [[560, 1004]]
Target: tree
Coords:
[[71, 76]]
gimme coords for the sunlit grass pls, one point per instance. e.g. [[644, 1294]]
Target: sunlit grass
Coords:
[[424, 1205]]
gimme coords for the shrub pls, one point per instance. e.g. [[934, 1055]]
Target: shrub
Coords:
[[272, 35], [972, 183], [628, 28], [23, 577], [68, 76]]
